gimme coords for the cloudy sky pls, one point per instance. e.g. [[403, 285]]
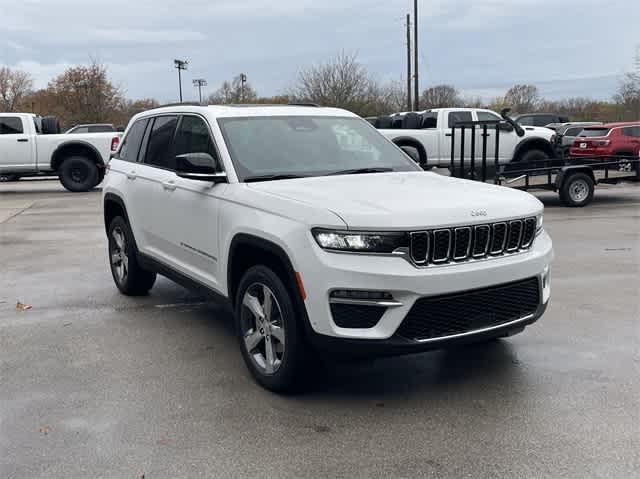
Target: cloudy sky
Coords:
[[566, 47]]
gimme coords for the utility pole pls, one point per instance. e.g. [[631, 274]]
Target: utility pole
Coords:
[[200, 82], [243, 80], [409, 101], [416, 96], [180, 65]]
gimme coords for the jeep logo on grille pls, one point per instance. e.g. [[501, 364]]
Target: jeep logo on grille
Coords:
[[478, 212]]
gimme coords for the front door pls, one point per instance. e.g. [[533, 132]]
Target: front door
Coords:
[[16, 148]]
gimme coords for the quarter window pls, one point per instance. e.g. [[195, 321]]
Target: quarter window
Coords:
[[131, 143], [159, 145], [11, 125]]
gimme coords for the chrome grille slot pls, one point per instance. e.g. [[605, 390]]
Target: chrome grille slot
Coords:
[[515, 235], [441, 246], [481, 236], [528, 232], [462, 243], [419, 247], [498, 238]]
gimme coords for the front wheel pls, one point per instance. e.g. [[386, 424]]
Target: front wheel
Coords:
[[269, 331], [78, 174], [577, 190]]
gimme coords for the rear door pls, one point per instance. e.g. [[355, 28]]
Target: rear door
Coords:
[[152, 174], [451, 118], [17, 151]]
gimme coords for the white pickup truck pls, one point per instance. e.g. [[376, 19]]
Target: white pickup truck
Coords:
[[428, 134], [26, 150]]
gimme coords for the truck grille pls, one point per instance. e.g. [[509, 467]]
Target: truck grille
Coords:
[[471, 242], [451, 314]]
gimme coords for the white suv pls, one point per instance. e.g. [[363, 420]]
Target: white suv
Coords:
[[321, 235]]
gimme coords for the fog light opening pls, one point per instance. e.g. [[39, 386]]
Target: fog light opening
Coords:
[[361, 295]]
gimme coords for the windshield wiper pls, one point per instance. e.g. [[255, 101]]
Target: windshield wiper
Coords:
[[357, 171], [250, 179]]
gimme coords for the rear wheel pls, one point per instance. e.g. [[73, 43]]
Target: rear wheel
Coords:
[[577, 190], [530, 160], [128, 275], [78, 173], [270, 331]]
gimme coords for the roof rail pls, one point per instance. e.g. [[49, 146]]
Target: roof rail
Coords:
[[302, 103], [183, 103]]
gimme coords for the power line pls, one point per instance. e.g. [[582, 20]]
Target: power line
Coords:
[[408, 25], [416, 96]]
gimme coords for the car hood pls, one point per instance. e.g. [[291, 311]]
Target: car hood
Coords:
[[411, 200], [539, 131]]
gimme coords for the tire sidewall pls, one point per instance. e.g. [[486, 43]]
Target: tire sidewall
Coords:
[[119, 222], [566, 187], [65, 174], [285, 378]]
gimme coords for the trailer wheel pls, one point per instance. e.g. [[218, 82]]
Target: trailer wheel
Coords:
[[577, 190]]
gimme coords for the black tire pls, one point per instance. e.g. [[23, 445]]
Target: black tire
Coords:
[[287, 377], [577, 190], [136, 281], [78, 173], [531, 159], [406, 147], [101, 173]]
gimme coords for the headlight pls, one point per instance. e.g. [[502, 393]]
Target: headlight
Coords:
[[539, 222], [360, 241]]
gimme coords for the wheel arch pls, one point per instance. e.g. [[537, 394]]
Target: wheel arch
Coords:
[[533, 144], [113, 205], [414, 143], [75, 147]]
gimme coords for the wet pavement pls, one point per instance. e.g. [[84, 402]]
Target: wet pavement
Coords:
[[94, 384]]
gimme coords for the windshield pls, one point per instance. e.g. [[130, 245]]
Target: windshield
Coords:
[[308, 146], [594, 132]]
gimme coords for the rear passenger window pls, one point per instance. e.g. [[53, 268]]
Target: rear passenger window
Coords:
[[159, 144], [131, 144], [456, 116], [11, 125]]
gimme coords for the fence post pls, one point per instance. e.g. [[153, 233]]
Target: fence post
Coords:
[[453, 150], [484, 153], [462, 138], [495, 160], [473, 152]]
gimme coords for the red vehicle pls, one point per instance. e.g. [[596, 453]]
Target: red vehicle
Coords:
[[613, 139]]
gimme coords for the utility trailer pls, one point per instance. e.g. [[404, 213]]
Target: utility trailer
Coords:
[[574, 179]]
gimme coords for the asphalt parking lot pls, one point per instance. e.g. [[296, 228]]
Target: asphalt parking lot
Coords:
[[93, 384]]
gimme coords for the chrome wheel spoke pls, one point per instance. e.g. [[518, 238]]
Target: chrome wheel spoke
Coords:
[[270, 359], [268, 302], [252, 340], [252, 303], [278, 333], [117, 237], [115, 259]]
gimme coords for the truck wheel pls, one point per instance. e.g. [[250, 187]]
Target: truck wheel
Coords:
[[269, 331], [101, 174], [128, 275], [78, 173], [577, 190], [9, 178], [532, 159]]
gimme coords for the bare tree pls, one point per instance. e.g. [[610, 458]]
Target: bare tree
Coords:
[[84, 94], [628, 95], [14, 86], [233, 92], [341, 82], [522, 98], [440, 96]]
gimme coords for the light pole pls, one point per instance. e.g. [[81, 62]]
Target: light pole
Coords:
[[243, 80], [200, 82], [180, 65]]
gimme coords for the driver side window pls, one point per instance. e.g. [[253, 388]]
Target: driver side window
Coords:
[[193, 137]]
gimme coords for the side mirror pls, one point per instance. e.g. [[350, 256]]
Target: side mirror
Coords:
[[199, 166]]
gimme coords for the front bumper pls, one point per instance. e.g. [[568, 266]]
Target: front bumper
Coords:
[[323, 272]]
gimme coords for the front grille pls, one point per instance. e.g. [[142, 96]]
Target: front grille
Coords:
[[452, 314], [471, 242], [356, 315]]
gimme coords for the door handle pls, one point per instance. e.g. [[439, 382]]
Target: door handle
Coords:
[[131, 175], [169, 185], [22, 140]]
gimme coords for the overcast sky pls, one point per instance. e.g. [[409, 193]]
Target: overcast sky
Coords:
[[566, 47]]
